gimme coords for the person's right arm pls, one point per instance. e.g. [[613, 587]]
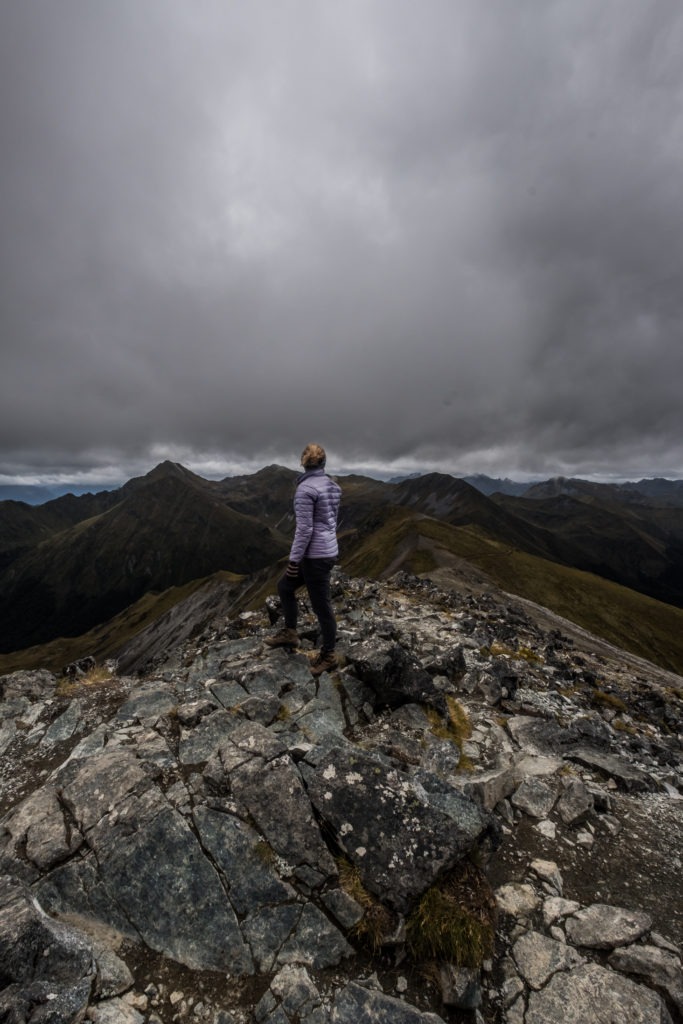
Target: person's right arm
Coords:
[[304, 506]]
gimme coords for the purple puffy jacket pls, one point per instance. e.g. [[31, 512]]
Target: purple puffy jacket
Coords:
[[316, 506]]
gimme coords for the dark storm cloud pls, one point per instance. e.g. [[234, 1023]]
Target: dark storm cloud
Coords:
[[425, 234]]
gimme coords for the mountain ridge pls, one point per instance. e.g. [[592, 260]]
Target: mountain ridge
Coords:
[[73, 564], [157, 531]]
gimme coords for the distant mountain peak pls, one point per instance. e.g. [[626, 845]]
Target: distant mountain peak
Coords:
[[168, 468]]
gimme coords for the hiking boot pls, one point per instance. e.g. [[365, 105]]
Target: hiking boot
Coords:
[[323, 662], [284, 638]]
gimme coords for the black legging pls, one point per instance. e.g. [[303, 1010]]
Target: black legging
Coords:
[[315, 574]]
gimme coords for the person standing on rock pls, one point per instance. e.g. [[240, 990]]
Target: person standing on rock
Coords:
[[313, 553]]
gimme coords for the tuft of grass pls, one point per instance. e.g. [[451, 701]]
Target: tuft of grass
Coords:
[[96, 678], [523, 653], [459, 720], [608, 700], [620, 726], [454, 921], [569, 691], [457, 728], [377, 923], [527, 654]]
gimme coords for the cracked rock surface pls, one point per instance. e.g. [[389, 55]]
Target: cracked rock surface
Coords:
[[226, 838]]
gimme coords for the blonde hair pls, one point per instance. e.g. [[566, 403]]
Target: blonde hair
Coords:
[[313, 456]]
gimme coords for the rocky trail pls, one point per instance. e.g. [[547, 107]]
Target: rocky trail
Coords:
[[477, 818]]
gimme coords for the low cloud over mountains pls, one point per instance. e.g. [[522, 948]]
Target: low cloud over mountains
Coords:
[[443, 237]]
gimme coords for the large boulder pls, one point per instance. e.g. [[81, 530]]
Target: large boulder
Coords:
[[395, 675], [47, 970], [400, 836]]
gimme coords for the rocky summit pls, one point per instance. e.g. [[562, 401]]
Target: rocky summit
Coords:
[[478, 817]]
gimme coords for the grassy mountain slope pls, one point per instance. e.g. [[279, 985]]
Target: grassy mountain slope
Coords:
[[640, 546], [166, 529], [458, 503], [267, 495], [654, 491], [22, 526], [108, 638]]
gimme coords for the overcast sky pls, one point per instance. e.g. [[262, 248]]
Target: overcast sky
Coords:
[[424, 233]]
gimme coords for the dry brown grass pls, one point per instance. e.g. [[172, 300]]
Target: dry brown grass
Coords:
[[455, 920], [97, 678]]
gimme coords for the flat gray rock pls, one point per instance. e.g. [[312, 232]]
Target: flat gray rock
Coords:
[[267, 930], [604, 927], [358, 1005], [198, 745], [517, 899], [34, 684], [8, 731], [490, 787], [294, 934], [627, 778], [343, 907], [114, 1011], [100, 783], [37, 827], [228, 693], [658, 967], [293, 993], [548, 871], [149, 702], [323, 715], [77, 887], [315, 941], [538, 958], [594, 994], [275, 797], [575, 803], [279, 672], [555, 908], [64, 727], [157, 873], [246, 860]]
